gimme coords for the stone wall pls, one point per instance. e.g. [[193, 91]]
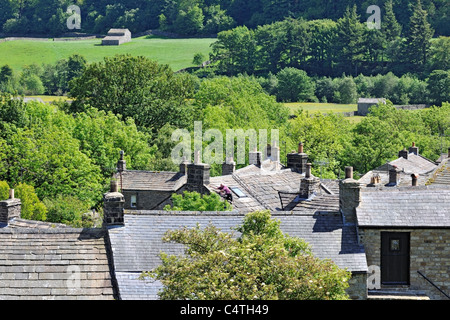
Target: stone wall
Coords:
[[357, 289], [429, 254]]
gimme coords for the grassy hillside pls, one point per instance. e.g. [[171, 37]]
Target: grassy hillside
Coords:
[[178, 53]]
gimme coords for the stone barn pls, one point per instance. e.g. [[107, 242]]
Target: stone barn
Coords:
[[117, 37], [364, 105]]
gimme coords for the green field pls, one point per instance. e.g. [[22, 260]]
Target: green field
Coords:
[[177, 53], [321, 107]]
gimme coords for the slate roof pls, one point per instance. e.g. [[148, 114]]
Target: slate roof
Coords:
[[137, 245], [150, 180], [416, 207], [415, 164], [41, 261], [442, 174], [276, 189]]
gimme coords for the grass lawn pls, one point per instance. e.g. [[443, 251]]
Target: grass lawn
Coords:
[[321, 107], [177, 53]]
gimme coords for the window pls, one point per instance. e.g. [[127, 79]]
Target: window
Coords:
[[395, 245], [133, 201], [239, 193]]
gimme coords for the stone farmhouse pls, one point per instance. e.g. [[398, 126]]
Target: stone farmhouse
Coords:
[[116, 37], [390, 228]]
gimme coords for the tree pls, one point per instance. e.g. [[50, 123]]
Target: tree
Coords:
[[263, 263], [6, 73], [189, 20], [390, 26], [4, 190], [294, 85], [235, 51], [439, 86], [417, 45], [349, 47], [135, 87], [194, 201]]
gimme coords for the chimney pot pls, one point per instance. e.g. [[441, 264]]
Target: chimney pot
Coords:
[[308, 170], [11, 193], [121, 164], [348, 172], [300, 147], [448, 155], [415, 178]]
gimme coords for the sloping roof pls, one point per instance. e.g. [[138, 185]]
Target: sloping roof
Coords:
[[415, 164], [150, 180], [442, 174], [137, 245], [42, 261], [276, 189], [421, 207], [371, 100]]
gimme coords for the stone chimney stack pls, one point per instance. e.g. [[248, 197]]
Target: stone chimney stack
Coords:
[[198, 175], [10, 209], [228, 167], [349, 196], [309, 185], [183, 166], [296, 161], [394, 176], [113, 206], [414, 149], [121, 164], [403, 154], [255, 158], [272, 152]]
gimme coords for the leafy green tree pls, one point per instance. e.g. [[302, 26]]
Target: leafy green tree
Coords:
[[294, 85], [194, 201], [440, 54], [235, 51], [189, 20], [4, 190], [32, 207], [346, 90], [325, 138], [439, 86], [262, 264], [137, 88], [67, 210]]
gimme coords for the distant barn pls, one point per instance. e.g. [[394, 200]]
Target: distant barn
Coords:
[[364, 105], [116, 37]]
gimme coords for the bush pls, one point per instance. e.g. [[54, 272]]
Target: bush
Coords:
[[32, 207], [4, 190], [193, 201], [67, 210]]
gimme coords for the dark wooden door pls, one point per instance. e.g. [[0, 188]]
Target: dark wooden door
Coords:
[[395, 258]]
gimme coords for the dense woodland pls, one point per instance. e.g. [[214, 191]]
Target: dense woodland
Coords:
[[196, 17]]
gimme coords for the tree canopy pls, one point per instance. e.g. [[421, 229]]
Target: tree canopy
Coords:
[[261, 263]]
